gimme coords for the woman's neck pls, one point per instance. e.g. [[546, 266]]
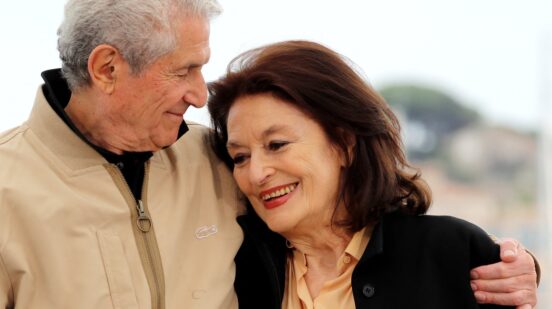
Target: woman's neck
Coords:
[[322, 244], [322, 249]]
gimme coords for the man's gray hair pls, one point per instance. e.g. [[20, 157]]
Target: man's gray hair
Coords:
[[141, 30]]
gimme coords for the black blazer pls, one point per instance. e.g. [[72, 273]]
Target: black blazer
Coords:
[[410, 262]]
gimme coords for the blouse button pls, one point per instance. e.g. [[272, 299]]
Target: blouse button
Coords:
[[368, 290], [346, 259]]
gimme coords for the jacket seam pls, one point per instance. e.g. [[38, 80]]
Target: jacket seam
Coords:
[[5, 269], [11, 135]]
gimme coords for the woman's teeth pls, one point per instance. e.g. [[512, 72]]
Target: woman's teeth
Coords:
[[283, 191]]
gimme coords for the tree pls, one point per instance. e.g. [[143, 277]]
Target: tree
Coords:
[[428, 115]]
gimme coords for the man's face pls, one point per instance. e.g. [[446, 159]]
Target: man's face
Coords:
[[148, 108]]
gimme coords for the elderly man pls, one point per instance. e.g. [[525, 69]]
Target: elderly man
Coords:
[[96, 211], [107, 198]]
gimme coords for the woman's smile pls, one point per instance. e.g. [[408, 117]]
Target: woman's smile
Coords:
[[284, 163], [277, 196]]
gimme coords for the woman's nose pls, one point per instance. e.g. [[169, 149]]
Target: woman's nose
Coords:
[[260, 169]]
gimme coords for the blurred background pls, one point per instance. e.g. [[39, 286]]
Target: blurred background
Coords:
[[471, 81]]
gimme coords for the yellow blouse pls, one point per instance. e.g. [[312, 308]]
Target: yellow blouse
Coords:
[[336, 293]]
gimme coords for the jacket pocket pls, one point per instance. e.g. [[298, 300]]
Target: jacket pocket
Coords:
[[117, 271]]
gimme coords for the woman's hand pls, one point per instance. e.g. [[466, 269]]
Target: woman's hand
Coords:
[[512, 281]]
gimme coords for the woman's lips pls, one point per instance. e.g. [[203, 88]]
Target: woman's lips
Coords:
[[277, 196]]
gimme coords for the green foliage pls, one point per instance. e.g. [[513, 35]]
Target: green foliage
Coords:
[[441, 132], [432, 112], [430, 106]]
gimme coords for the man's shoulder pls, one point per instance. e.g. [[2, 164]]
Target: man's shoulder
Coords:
[[12, 142], [197, 128], [11, 134], [195, 138], [195, 143]]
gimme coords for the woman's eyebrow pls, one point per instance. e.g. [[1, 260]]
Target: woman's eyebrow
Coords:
[[273, 129], [231, 144], [277, 128]]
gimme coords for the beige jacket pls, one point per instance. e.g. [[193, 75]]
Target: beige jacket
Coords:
[[71, 236]]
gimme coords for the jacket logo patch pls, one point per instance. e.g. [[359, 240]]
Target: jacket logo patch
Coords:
[[205, 231]]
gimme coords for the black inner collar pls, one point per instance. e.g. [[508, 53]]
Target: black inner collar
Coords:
[[131, 164]]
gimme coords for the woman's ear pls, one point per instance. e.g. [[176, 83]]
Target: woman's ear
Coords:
[[104, 64]]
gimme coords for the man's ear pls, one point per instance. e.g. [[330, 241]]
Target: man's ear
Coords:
[[104, 64]]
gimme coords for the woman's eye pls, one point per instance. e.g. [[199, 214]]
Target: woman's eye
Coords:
[[276, 145], [238, 159]]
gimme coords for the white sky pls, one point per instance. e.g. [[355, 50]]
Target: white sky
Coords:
[[487, 53]]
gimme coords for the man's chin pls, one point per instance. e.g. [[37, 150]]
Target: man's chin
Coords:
[[166, 142]]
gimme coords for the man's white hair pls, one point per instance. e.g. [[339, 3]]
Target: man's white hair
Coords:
[[141, 30]]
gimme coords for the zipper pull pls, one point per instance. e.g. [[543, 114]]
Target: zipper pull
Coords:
[[143, 221]]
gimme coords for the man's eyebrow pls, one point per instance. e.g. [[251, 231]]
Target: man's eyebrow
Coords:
[[184, 67], [190, 65]]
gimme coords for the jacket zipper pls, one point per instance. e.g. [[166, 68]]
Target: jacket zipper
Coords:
[[144, 235]]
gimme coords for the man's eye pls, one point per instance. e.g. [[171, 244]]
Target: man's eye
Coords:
[[182, 74], [276, 145]]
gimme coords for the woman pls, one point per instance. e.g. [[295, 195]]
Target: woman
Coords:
[[335, 217]]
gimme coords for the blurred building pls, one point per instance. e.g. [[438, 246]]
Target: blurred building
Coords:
[[497, 177]]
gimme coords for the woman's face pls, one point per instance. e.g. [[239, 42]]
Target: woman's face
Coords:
[[284, 163]]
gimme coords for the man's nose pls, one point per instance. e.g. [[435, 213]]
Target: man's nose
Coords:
[[196, 94]]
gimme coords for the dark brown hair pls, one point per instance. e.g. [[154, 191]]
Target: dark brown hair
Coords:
[[322, 84]]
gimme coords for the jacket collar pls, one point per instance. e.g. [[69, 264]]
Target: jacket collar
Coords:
[[58, 138], [50, 123], [375, 246], [251, 223], [57, 94]]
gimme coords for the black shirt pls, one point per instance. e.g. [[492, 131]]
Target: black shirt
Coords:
[[131, 164]]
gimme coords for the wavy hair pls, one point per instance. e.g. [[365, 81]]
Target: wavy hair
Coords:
[[325, 86]]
